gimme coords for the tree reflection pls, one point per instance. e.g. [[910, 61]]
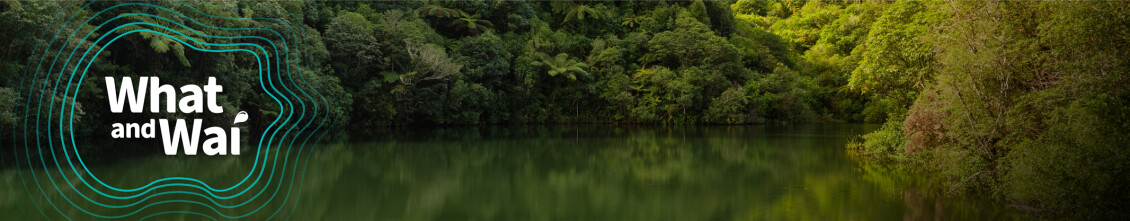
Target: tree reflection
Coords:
[[596, 173]]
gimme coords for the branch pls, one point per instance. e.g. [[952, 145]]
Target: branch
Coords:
[[962, 183]]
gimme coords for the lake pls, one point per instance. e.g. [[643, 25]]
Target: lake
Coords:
[[583, 172]]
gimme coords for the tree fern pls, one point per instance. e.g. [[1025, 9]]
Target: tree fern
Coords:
[[579, 12], [440, 11], [561, 65], [471, 24]]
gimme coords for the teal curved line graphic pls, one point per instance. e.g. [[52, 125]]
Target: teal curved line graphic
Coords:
[[270, 141], [137, 31], [308, 123], [115, 38], [170, 185], [306, 163], [159, 33], [155, 25], [288, 130], [151, 32], [176, 212], [323, 122], [26, 111], [143, 4], [19, 170], [118, 37], [322, 97], [196, 32]]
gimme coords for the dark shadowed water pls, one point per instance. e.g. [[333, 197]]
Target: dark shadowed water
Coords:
[[556, 173]]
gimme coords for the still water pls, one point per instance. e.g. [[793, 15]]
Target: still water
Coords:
[[591, 172]]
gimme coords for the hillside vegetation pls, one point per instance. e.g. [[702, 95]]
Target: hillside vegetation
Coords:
[[1024, 101]]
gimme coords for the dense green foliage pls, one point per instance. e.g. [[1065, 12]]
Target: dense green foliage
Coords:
[[1023, 101], [1026, 102], [455, 62]]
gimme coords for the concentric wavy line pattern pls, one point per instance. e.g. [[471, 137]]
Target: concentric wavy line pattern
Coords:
[[59, 183]]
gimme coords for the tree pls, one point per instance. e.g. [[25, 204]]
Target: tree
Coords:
[[471, 24], [431, 63], [729, 108], [562, 65], [574, 11], [486, 59], [579, 12], [698, 11], [664, 96], [633, 21], [896, 62], [440, 11], [354, 51], [690, 44]]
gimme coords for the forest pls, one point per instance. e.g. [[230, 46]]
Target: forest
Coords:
[[1025, 102]]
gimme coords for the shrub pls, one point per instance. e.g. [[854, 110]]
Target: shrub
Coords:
[[729, 108], [924, 126]]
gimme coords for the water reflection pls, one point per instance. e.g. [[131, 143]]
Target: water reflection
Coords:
[[592, 173]]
